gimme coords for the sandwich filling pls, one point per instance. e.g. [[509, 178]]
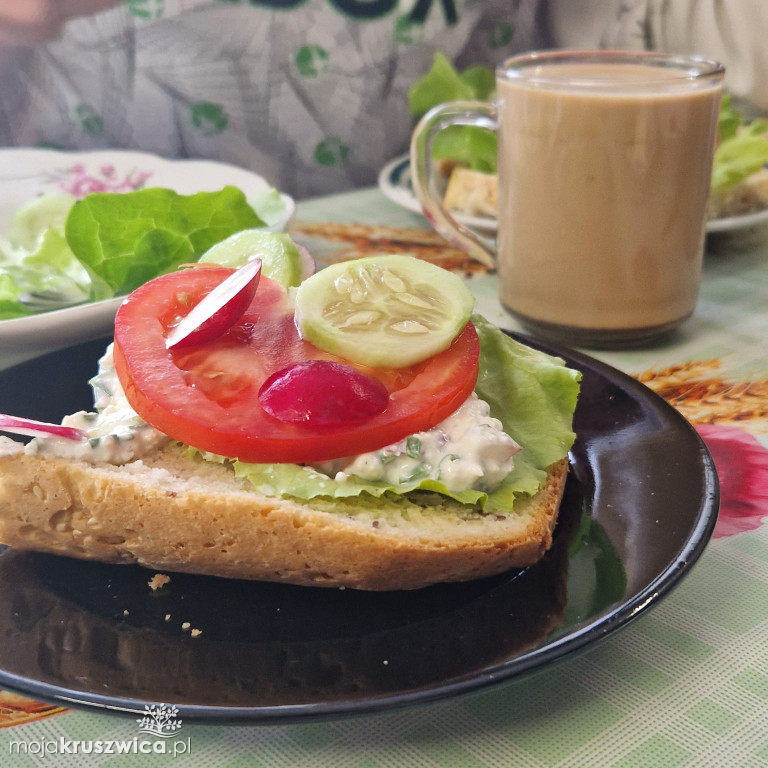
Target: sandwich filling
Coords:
[[515, 425], [468, 450]]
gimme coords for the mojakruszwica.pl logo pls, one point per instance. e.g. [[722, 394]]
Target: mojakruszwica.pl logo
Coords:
[[159, 730]]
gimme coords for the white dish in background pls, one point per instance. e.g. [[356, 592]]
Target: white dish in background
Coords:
[[395, 183], [28, 173]]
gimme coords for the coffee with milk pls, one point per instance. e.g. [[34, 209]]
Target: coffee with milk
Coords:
[[603, 178], [603, 212]]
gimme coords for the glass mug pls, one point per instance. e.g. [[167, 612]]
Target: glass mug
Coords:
[[604, 167]]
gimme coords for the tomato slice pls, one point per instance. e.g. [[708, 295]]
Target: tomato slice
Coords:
[[206, 395]]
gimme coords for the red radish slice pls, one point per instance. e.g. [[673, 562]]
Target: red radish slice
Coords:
[[219, 310], [308, 263], [21, 426], [322, 392]]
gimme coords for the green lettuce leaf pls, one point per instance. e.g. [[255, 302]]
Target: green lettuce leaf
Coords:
[[36, 257], [109, 243], [472, 147], [300, 482], [124, 240], [737, 158], [442, 83], [730, 118], [743, 147], [533, 395], [58, 268], [10, 306], [482, 80]]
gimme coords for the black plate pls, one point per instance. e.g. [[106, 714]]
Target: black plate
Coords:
[[640, 505]]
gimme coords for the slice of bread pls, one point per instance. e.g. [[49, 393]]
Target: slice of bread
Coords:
[[172, 513], [472, 193]]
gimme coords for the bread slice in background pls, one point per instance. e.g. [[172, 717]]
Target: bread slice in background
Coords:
[[472, 193], [172, 513]]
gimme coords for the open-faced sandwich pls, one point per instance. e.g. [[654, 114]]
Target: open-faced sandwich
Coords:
[[362, 429], [466, 156]]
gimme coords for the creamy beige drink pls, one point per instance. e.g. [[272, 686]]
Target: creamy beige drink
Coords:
[[604, 175], [604, 167]]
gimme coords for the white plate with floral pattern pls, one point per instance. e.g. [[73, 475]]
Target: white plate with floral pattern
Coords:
[[29, 173]]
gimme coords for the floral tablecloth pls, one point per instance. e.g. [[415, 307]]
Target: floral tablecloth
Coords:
[[684, 685]]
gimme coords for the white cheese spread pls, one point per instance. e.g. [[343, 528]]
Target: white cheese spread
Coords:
[[467, 450], [116, 433]]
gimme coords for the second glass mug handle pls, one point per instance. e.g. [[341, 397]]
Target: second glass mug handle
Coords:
[[473, 113]]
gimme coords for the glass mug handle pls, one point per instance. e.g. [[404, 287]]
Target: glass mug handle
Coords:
[[473, 113]]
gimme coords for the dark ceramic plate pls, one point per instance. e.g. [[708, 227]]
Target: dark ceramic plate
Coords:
[[640, 505]]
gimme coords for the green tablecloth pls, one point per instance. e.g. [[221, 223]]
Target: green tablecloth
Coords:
[[684, 685]]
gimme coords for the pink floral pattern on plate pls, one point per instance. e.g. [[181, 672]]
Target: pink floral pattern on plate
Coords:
[[78, 181]]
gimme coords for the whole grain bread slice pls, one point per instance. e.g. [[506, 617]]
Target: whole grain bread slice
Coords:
[[169, 512]]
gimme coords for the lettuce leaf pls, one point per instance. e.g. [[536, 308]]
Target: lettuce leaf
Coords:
[[743, 147], [50, 270], [730, 118], [474, 148], [36, 258], [482, 80], [124, 240], [467, 146], [10, 306], [442, 83], [738, 158], [533, 395], [110, 243]]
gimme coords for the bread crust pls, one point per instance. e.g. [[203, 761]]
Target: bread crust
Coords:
[[169, 513]]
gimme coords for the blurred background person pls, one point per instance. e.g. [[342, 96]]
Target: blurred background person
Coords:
[[312, 94]]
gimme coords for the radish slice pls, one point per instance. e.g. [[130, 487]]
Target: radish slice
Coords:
[[322, 392], [21, 426], [308, 263], [219, 310]]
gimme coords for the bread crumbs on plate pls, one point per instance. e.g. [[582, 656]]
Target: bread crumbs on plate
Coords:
[[158, 581]]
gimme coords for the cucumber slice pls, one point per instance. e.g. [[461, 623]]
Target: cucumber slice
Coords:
[[280, 258], [383, 311]]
